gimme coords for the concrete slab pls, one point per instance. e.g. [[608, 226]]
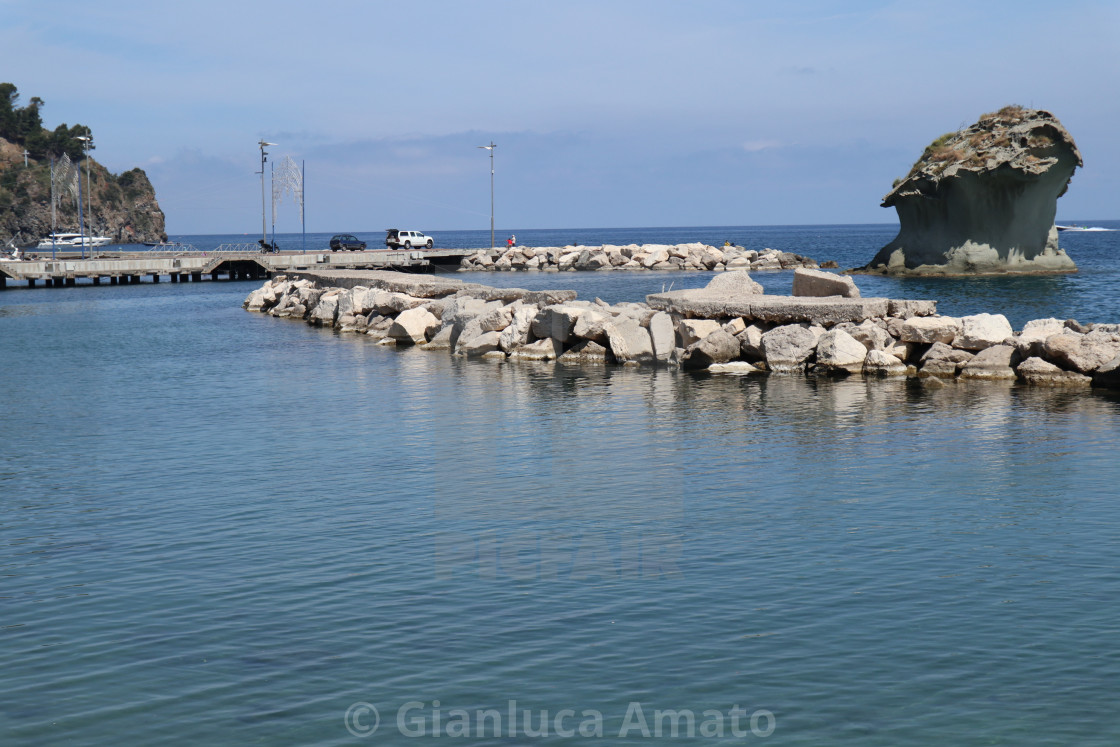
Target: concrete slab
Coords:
[[704, 304]]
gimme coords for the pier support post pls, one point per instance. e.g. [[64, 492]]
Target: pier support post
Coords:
[[3, 280], [71, 281], [196, 277], [112, 280], [97, 280], [155, 277], [31, 282], [173, 278]]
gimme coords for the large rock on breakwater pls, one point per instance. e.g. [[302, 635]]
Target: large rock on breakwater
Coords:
[[682, 257], [731, 326], [983, 200]]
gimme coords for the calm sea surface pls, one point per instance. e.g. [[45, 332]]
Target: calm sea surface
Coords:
[[221, 528]]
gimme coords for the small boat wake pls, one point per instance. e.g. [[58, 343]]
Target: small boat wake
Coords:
[[1083, 228]]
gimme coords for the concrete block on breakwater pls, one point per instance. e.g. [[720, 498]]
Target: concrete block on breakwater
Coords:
[[729, 326]]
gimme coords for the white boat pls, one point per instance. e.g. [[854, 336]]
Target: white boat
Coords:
[[65, 240], [1083, 228]]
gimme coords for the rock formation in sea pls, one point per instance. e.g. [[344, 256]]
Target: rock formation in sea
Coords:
[[983, 200], [124, 205], [121, 206]]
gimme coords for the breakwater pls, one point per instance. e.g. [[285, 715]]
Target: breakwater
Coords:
[[691, 256], [730, 326]]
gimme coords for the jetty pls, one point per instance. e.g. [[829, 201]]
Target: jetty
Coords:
[[731, 326], [229, 261]]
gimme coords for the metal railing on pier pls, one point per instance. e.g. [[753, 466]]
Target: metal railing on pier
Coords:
[[246, 247]]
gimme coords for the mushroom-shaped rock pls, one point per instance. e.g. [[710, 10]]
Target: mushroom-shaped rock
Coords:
[[983, 200]]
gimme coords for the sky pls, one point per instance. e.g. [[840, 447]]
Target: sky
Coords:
[[606, 113]]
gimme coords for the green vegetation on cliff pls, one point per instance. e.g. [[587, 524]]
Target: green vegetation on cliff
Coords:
[[24, 126], [121, 206]]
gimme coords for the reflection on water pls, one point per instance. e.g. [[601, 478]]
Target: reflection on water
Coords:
[[263, 523]]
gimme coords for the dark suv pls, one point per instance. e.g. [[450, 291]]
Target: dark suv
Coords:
[[346, 241]]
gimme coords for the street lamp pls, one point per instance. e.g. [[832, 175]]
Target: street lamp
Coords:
[[491, 148], [89, 202], [264, 225]]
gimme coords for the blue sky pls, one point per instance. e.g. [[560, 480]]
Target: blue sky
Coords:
[[605, 112]]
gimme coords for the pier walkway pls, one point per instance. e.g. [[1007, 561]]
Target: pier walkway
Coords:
[[232, 261]]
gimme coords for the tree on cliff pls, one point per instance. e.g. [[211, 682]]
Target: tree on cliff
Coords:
[[123, 206], [24, 126]]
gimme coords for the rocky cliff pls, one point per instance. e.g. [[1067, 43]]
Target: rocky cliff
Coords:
[[983, 200], [124, 206]]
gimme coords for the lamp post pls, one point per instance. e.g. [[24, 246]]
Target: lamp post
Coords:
[[89, 202], [264, 224], [491, 148], [54, 214]]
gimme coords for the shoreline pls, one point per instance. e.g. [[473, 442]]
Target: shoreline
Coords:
[[730, 326]]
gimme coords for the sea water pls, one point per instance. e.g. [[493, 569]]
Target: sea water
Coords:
[[220, 527]]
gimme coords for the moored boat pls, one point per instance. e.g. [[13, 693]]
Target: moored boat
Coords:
[[64, 240]]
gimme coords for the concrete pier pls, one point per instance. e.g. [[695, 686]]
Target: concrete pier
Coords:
[[125, 268]]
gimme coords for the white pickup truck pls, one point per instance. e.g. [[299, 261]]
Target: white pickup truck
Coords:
[[395, 239]]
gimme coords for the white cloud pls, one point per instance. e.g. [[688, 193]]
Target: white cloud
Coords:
[[754, 146]]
